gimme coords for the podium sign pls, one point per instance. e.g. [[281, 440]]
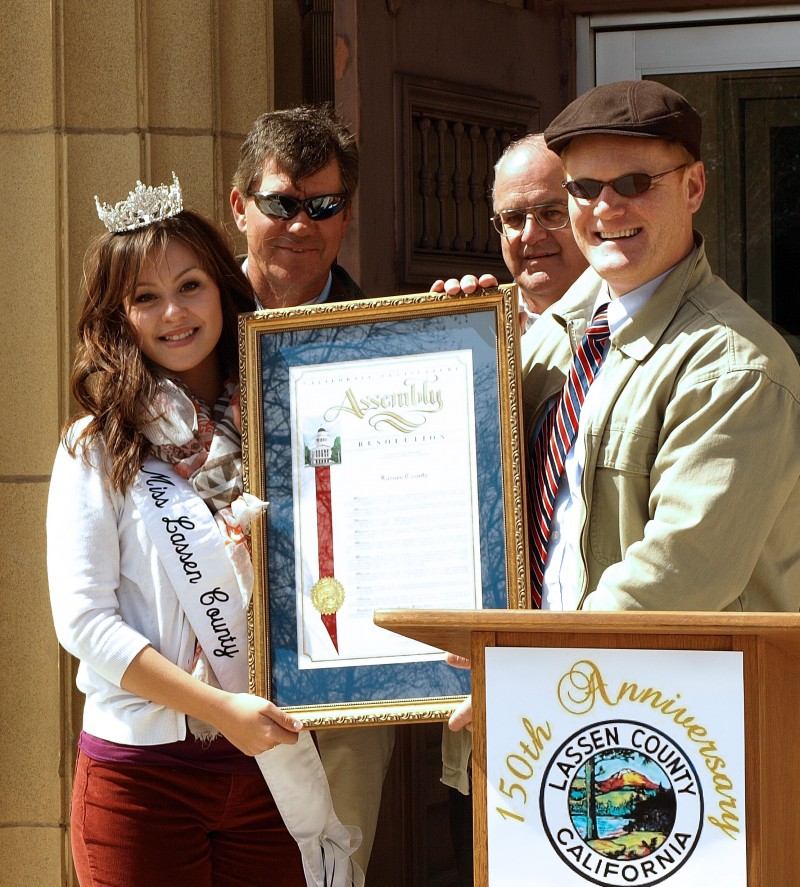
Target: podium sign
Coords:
[[712, 660], [615, 767]]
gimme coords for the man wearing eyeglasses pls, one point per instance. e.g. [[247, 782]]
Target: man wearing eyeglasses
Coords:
[[676, 483], [291, 197], [539, 250], [532, 219]]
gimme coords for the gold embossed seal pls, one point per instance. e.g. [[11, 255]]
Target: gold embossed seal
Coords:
[[327, 595]]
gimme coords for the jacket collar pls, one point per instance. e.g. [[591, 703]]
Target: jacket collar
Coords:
[[639, 337]]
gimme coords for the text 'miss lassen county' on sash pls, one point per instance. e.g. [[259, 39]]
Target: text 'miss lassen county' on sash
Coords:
[[179, 529]]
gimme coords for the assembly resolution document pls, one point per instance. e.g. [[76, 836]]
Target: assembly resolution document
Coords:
[[385, 501]]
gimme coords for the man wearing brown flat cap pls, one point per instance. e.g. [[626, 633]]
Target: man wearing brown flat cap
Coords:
[[663, 412]]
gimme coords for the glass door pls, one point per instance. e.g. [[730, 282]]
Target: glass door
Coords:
[[744, 79]]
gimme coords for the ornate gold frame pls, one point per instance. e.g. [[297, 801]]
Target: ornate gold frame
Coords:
[[502, 301]]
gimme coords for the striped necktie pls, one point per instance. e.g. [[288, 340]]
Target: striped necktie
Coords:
[[548, 452]]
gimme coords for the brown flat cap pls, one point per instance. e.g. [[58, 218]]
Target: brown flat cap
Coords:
[[641, 108]]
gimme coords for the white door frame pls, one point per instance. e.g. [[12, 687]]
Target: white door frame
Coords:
[[629, 46]]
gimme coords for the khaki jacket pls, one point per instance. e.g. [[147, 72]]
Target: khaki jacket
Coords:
[[690, 490]]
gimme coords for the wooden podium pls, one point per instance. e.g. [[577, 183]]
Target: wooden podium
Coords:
[[769, 644]]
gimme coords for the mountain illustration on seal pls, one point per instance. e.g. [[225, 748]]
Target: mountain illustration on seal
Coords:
[[622, 804], [626, 778]]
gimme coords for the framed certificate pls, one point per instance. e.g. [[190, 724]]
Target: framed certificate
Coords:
[[384, 434]]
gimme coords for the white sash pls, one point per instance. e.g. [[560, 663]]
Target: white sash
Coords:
[[190, 547]]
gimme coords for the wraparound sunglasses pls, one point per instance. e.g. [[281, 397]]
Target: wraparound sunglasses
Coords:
[[282, 206]]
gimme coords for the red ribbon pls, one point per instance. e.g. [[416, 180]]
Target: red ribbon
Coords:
[[325, 540]]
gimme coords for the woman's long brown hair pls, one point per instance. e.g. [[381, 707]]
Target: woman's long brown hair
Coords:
[[111, 380]]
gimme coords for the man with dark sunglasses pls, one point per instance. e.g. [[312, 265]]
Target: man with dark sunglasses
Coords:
[[665, 501], [662, 412], [291, 197]]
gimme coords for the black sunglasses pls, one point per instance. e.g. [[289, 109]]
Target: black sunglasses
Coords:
[[282, 206], [628, 186]]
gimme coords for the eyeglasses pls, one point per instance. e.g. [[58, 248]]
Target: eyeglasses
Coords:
[[628, 186], [282, 206], [550, 216]]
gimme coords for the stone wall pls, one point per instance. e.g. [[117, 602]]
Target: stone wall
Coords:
[[94, 96]]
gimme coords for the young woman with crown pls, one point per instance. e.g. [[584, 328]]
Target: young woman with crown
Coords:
[[150, 577]]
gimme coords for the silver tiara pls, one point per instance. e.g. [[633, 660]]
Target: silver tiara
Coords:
[[143, 207]]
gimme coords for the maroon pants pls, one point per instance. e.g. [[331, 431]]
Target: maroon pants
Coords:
[[136, 826]]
